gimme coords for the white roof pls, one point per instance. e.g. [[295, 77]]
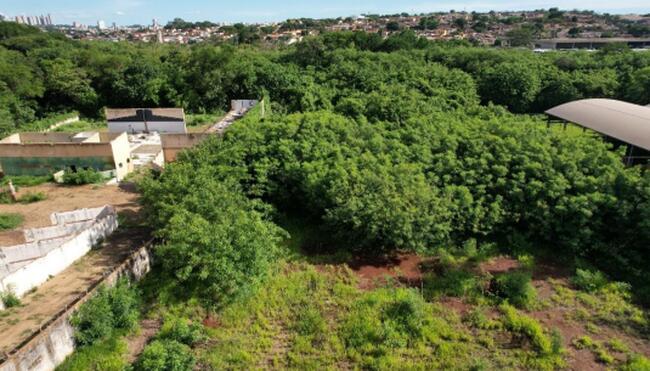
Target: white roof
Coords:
[[624, 121]]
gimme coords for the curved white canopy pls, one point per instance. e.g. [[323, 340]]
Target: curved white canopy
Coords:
[[624, 121]]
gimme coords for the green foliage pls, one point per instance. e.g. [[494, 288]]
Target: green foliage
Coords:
[[515, 287], [25, 180], [109, 310], [82, 176], [181, 330], [528, 328], [165, 355], [10, 221], [31, 197], [106, 355], [218, 244], [589, 280], [637, 363], [9, 299]]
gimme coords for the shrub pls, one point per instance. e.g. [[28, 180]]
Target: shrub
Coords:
[[181, 330], [637, 363], [31, 197], [94, 320], [9, 299], [527, 327], [516, 287], [386, 319], [110, 309], [5, 198], [10, 221], [165, 355], [589, 280], [82, 176]]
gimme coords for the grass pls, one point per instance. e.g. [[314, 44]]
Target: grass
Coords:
[[25, 180], [83, 125], [9, 299], [106, 355], [10, 221]]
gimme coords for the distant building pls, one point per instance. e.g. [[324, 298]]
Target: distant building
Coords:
[[101, 25], [593, 43], [145, 120], [47, 153]]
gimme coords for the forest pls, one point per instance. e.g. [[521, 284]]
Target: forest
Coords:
[[370, 148]]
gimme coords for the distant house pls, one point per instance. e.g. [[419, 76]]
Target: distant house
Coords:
[[47, 153], [146, 120]]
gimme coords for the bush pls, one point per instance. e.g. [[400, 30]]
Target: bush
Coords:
[[516, 287], [387, 319], [10, 221], [9, 299], [31, 197], [527, 327], [110, 309], [182, 331], [82, 176], [637, 363], [589, 280], [165, 355]]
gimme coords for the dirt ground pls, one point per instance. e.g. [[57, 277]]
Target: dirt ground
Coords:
[[66, 198], [18, 323], [408, 269]]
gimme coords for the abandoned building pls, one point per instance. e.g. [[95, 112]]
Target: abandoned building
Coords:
[[47, 153], [146, 120]]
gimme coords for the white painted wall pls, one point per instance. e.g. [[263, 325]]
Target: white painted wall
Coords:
[[46, 254], [163, 127]]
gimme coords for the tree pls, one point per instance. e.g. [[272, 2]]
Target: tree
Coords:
[[393, 26], [522, 36], [638, 90], [429, 23], [514, 85]]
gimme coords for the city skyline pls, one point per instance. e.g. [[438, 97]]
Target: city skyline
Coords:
[[126, 12]]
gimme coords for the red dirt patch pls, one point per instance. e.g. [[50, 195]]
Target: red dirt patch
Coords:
[[373, 272], [499, 264], [211, 322]]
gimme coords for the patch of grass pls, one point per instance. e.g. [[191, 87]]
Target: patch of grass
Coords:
[[31, 197], [108, 354], [515, 287], [636, 363], [82, 125], [528, 328], [9, 299], [25, 180], [596, 347], [589, 280], [10, 221]]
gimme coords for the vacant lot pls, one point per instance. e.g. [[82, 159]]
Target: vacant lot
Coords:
[[66, 198]]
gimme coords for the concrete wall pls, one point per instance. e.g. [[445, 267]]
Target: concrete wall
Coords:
[[50, 250], [121, 156], [163, 127], [49, 346], [242, 105], [172, 144], [46, 153]]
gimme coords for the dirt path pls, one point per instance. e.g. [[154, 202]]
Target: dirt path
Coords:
[[16, 324], [136, 343]]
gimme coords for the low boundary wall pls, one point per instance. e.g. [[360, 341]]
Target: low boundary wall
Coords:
[[48, 347], [50, 250]]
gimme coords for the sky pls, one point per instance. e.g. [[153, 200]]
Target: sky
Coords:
[[126, 12]]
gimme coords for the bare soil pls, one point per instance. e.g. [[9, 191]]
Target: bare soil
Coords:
[[136, 343], [374, 272], [66, 198]]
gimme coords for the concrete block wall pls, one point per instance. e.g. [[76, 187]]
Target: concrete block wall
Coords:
[[48, 347], [53, 249]]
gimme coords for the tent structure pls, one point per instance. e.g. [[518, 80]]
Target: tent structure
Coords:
[[626, 122]]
